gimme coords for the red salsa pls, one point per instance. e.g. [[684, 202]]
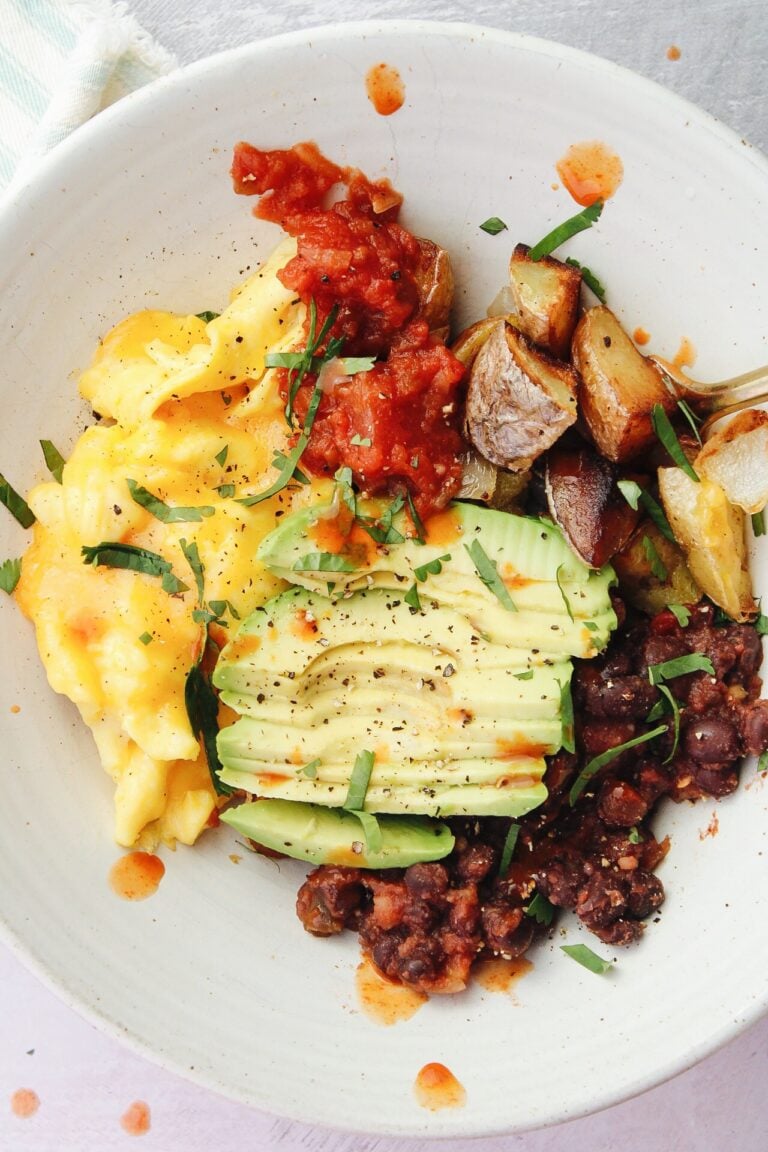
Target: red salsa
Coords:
[[397, 425]]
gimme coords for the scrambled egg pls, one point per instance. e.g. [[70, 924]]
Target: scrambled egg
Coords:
[[191, 414]]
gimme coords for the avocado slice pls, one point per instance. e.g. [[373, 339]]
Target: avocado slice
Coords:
[[333, 836], [540, 572]]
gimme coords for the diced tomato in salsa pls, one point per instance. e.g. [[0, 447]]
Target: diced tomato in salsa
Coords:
[[353, 255]]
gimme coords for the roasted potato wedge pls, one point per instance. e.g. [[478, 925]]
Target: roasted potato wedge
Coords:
[[435, 284], [546, 294], [736, 457], [638, 582], [711, 532], [469, 342], [619, 386], [519, 400], [585, 503]]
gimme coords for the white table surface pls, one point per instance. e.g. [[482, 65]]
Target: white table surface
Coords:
[[85, 1080]]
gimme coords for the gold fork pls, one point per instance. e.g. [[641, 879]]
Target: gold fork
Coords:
[[713, 401]]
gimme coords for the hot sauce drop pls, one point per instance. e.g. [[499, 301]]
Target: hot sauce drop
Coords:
[[384, 1001], [385, 88], [498, 975], [590, 171], [136, 1119], [24, 1103], [436, 1087], [136, 875]]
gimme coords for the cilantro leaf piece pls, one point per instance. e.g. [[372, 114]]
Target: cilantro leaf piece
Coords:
[[634, 836], [635, 495], [680, 666], [226, 491], [562, 593], [165, 512], [310, 770], [657, 564], [412, 599], [371, 829], [674, 709], [146, 638], [343, 481], [587, 958], [758, 523], [192, 555], [279, 461], [324, 562], [351, 365], [762, 763], [570, 227], [508, 850], [206, 316], [493, 225], [431, 568], [589, 278], [567, 717], [299, 364], [54, 461], [221, 457], [598, 762], [202, 706], [291, 460], [358, 781], [667, 437], [116, 555], [10, 573], [680, 613], [541, 910], [16, 504], [418, 526], [527, 675], [361, 441], [488, 572], [383, 530], [219, 607]]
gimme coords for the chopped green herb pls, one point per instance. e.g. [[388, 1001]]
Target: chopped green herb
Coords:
[[115, 555], [674, 709], [667, 436], [371, 830], [508, 850], [414, 461], [202, 706], [691, 417], [562, 593], [762, 763], [418, 527], [219, 607], [300, 363], [590, 625], [280, 460], [680, 613], [54, 461], [291, 460], [351, 365], [382, 530], [207, 616], [323, 562], [587, 958], [146, 638], [164, 512], [206, 317], [570, 227], [541, 910], [361, 441], [634, 836], [343, 479], [226, 491], [589, 278], [488, 572], [567, 718], [657, 564], [758, 523], [527, 675], [16, 504], [10, 573], [680, 666], [598, 762], [193, 559], [634, 495], [493, 225], [221, 457], [431, 568], [310, 770], [761, 625], [358, 781], [412, 598]]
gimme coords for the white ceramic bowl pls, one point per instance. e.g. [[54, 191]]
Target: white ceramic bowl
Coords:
[[214, 976]]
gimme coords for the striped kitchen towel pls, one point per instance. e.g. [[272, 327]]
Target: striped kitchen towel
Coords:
[[61, 61]]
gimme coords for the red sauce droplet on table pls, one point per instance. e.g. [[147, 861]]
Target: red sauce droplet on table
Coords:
[[385, 88], [673, 52], [136, 1119], [382, 1000], [590, 171], [640, 336], [24, 1103], [136, 875], [499, 975], [436, 1087]]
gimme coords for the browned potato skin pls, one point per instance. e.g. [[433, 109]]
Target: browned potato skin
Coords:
[[586, 505], [547, 294], [619, 386], [435, 284], [519, 400], [639, 585]]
